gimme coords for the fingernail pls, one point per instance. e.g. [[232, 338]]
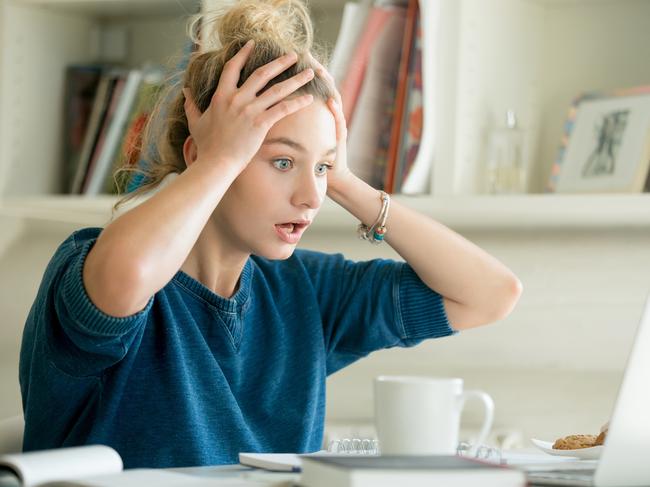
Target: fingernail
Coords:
[[309, 72], [249, 43]]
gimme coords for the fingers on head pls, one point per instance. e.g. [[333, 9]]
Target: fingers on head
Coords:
[[287, 107], [233, 67]]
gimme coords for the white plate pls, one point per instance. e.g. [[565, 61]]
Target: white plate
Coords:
[[591, 453]]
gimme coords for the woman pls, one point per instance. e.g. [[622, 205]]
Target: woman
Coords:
[[190, 328]]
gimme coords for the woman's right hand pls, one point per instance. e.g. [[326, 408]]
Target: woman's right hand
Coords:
[[236, 122]]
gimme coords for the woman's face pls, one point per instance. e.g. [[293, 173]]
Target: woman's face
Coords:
[[277, 196]]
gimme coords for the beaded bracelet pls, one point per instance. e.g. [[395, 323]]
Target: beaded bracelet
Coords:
[[376, 232]]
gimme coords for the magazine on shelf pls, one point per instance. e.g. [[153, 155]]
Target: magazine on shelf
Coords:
[[420, 152], [404, 79], [115, 125], [410, 126], [81, 83], [369, 129], [97, 115]]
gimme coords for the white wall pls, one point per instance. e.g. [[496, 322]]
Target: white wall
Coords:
[[553, 366], [604, 50]]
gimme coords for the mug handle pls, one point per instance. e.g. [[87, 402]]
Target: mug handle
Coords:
[[488, 418]]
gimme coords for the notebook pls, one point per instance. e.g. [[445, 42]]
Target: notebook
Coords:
[[624, 459], [405, 471]]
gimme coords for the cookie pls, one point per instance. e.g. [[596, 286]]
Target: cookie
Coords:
[[573, 442], [600, 439]]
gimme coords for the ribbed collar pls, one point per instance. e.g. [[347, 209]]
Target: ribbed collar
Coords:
[[231, 305]]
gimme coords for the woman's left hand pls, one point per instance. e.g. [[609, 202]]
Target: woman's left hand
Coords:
[[340, 171]]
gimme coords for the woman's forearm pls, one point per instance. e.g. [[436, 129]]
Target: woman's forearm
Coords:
[[477, 288], [140, 251]]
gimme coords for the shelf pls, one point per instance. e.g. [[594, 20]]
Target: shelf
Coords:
[[77, 210], [120, 8], [531, 212], [124, 8], [524, 212]]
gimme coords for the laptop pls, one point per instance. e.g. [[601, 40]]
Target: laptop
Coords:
[[625, 458]]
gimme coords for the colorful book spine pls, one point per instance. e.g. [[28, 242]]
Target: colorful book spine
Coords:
[[369, 134], [131, 137], [81, 86], [412, 117], [397, 116], [352, 83], [120, 108]]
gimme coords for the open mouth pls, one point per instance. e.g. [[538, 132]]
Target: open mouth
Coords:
[[291, 232]]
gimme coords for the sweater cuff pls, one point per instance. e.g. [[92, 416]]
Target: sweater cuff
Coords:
[[421, 310], [88, 317]]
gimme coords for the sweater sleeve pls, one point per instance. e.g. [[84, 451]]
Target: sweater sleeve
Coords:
[[367, 306], [76, 336]]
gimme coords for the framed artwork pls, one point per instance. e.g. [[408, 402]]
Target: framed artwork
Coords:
[[606, 144]]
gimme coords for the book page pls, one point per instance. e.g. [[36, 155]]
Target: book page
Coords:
[[39, 467], [142, 477]]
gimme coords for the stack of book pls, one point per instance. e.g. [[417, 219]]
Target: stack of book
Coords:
[[106, 110], [405, 471], [377, 63]]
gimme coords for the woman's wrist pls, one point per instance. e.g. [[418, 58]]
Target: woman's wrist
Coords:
[[342, 185], [359, 198], [226, 166]]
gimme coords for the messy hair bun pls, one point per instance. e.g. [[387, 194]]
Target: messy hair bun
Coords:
[[277, 27], [285, 24]]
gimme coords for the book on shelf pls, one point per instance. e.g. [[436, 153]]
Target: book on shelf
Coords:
[[369, 133], [410, 124], [119, 79], [355, 73], [405, 471], [81, 83], [352, 24], [97, 115], [85, 466], [417, 172], [382, 92], [112, 131], [405, 75], [122, 102], [128, 152]]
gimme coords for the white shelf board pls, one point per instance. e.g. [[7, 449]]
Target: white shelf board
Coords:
[[531, 212], [74, 209], [120, 8], [537, 211]]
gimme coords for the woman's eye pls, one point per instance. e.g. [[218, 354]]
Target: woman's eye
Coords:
[[322, 169], [282, 164]]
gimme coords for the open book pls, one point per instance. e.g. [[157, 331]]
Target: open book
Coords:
[[84, 466]]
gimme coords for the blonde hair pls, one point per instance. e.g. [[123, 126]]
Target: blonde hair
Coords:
[[277, 27]]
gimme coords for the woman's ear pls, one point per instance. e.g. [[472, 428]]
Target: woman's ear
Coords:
[[189, 151]]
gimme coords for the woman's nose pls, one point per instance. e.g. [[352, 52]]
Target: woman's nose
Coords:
[[309, 191]]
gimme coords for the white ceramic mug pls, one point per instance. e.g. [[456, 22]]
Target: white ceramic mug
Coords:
[[421, 415]]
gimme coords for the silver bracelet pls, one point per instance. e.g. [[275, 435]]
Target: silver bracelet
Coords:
[[377, 231]]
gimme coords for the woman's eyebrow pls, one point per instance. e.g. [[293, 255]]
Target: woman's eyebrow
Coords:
[[293, 144]]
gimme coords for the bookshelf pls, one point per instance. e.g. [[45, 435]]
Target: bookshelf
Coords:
[[479, 212], [533, 56]]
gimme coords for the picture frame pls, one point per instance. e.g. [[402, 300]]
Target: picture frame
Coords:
[[606, 144]]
